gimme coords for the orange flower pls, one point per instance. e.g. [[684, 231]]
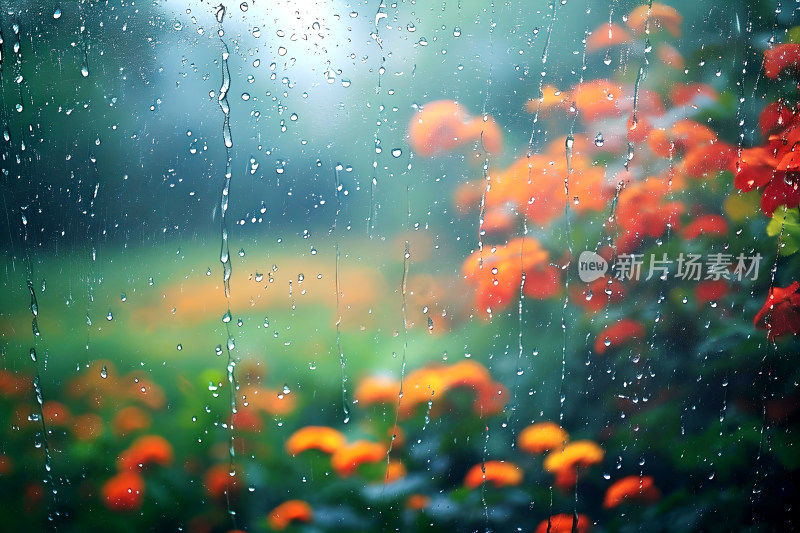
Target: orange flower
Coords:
[[130, 419], [579, 453], [56, 413], [551, 98], [655, 16], [595, 296], [377, 389], [780, 57], [87, 427], [641, 213], [246, 419], [290, 511], [691, 92], [705, 225], [707, 159], [619, 333], [146, 450], [497, 272], [417, 502], [597, 99], [606, 36], [6, 465], [444, 125], [394, 472], [541, 437], [420, 386], [490, 399], [13, 385], [670, 56], [467, 373], [218, 481], [269, 401], [322, 438], [145, 391], [93, 386], [781, 312], [562, 523], [632, 489], [347, 459], [499, 473], [124, 492]]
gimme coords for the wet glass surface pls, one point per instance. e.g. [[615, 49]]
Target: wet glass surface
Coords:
[[399, 266]]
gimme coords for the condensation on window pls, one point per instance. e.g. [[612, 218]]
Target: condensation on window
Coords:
[[399, 265]]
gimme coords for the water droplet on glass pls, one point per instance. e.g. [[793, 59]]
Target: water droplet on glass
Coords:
[[226, 317], [397, 152], [104, 372], [109, 316], [57, 13], [84, 71], [598, 140], [457, 31], [243, 6]]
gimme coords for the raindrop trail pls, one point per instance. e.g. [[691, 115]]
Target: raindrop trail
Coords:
[[373, 184], [37, 387], [404, 308], [569, 144], [641, 75], [225, 259], [342, 360], [765, 370]]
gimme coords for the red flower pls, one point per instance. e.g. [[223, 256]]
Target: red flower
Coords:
[[780, 57], [775, 117], [776, 167], [124, 492], [618, 333], [149, 449], [632, 489], [287, 512], [781, 312], [498, 473], [562, 523], [705, 225], [710, 291]]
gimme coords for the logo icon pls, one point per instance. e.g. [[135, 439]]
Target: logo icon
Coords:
[[591, 266]]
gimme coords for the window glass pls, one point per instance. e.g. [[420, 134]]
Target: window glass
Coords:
[[399, 265]]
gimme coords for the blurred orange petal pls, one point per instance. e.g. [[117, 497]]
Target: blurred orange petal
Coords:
[[583, 453], [322, 438], [290, 511], [562, 523], [705, 225], [417, 502], [541, 437], [692, 93], [620, 333], [146, 450], [655, 16], [632, 489], [130, 419], [218, 481], [346, 460], [123, 492], [498, 473], [551, 98], [606, 36], [443, 125], [87, 427], [670, 56]]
